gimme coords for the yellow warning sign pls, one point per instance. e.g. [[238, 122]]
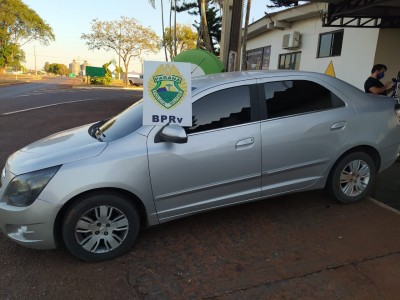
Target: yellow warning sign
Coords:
[[330, 70]]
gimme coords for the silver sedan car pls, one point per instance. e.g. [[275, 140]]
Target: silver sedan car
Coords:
[[254, 135]]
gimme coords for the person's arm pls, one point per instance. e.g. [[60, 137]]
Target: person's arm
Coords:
[[379, 90]]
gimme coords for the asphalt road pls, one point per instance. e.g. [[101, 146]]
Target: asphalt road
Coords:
[[299, 246], [54, 91]]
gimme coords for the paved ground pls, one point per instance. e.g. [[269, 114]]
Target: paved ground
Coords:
[[387, 189], [297, 247], [301, 246]]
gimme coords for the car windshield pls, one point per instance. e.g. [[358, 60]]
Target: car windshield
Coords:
[[121, 125]]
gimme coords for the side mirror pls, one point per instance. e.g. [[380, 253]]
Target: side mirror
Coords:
[[171, 133]]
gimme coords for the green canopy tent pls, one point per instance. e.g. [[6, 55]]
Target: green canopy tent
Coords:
[[203, 62]]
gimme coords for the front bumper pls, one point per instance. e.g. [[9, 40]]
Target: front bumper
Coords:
[[31, 226]]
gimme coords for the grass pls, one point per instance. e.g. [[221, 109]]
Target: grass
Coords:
[[8, 79]]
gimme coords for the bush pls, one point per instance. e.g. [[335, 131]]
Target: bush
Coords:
[[101, 80]]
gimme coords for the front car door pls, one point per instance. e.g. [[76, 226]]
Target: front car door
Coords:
[[305, 124], [221, 162]]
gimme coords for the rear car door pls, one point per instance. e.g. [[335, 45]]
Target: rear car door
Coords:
[[305, 124], [221, 162]]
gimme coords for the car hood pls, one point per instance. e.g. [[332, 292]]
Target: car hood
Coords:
[[59, 148]]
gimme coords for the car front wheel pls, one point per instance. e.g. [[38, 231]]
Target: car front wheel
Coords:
[[100, 227], [352, 177]]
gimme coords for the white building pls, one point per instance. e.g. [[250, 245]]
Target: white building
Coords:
[[295, 39]]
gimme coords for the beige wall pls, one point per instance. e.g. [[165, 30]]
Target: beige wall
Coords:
[[358, 49], [388, 51]]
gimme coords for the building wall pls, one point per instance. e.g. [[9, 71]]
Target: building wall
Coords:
[[388, 51], [353, 65]]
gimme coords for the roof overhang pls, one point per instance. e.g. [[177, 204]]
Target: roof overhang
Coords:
[[283, 19], [334, 13], [361, 13]]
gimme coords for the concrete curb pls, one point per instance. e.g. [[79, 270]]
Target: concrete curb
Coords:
[[107, 88], [383, 205]]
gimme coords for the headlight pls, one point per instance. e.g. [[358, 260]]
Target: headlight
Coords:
[[24, 189]]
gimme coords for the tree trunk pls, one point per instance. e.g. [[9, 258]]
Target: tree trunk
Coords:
[[244, 40], [175, 52], [171, 52], [163, 29], [126, 64], [204, 26]]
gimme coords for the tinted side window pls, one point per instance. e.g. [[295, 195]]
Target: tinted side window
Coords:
[[291, 97], [221, 109]]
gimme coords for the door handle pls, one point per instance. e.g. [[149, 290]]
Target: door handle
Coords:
[[339, 125], [244, 143]]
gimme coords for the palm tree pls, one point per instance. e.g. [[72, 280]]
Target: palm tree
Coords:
[[204, 26], [173, 41], [153, 3]]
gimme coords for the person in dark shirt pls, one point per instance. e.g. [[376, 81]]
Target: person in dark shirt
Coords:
[[373, 85]]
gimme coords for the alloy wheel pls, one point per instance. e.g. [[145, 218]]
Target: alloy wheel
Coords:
[[101, 229], [354, 178]]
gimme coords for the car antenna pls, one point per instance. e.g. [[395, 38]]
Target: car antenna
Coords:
[[198, 65]]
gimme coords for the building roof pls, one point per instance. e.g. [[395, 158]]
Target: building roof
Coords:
[[361, 13], [283, 19]]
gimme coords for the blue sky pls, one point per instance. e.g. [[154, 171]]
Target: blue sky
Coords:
[[70, 18]]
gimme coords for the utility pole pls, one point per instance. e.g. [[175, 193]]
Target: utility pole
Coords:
[[119, 53], [235, 35], [244, 39], [34, 53], [231, 34]]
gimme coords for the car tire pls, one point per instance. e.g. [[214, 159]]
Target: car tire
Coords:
[[352, 178], [100, 227]]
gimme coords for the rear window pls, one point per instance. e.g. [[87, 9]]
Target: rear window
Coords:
[[292, 97]]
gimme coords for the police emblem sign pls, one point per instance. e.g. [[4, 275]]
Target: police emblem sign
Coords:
[[167, 94]]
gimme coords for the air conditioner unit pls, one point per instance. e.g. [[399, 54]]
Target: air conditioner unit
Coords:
[[291, 40]]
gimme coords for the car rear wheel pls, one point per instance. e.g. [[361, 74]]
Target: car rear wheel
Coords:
[[352, 177], [100, 227]]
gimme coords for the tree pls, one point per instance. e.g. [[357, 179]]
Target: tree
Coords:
[[153, 3], [11, 56], [185, 39], [126, 37], [213, 24], [284, 3], [46, 66], [58, 69], [19, 25], [203, 30]]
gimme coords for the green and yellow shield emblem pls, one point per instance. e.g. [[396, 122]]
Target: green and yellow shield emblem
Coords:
[[166, 86]]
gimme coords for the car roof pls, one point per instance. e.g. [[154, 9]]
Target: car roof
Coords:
[[208, 81]]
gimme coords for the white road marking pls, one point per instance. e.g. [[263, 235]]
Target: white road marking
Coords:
[[54, 104], [36, 93]]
